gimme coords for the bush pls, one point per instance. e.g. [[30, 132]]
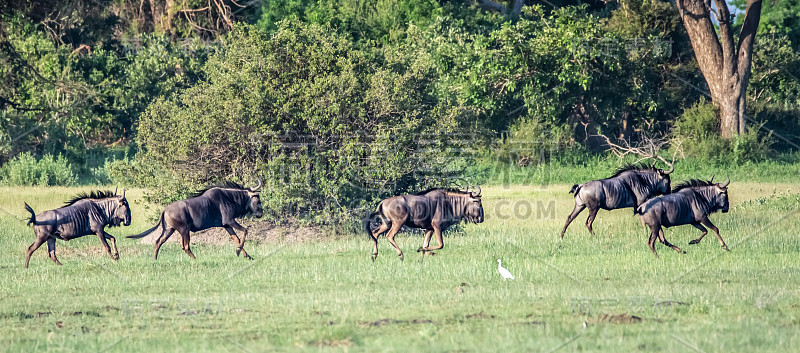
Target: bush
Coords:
[[698, 131], [324, 126], [25, 170]]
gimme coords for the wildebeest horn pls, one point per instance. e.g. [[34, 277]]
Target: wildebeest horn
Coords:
[[728, 183], [123, 193], [671, 166], [115, 190], [476, 194], [711, 181], [257, 187]]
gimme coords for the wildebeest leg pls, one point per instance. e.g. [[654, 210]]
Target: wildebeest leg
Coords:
[[185, 237], [702, 229], [162, 239], [665, 242], [654, 230], [101, 235], [114, 244], [426, 242], [239, 243], [395, 228], [590, 219], [571, 217], [375, 234], [36, 244], [707, 223], [243, 231], [438, 231], [51, 250]]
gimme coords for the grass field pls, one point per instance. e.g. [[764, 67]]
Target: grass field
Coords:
[[603, 293]]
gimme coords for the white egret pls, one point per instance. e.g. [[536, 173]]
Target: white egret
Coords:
[[503, 271]]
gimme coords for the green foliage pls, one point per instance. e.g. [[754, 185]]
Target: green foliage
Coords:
[[696, 133], [363, 20], [313, 116], [26, 170]]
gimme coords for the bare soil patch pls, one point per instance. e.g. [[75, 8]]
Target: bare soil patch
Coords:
[[384, 322], [480, 315], [618, 318], [258, 232], [332, 343]]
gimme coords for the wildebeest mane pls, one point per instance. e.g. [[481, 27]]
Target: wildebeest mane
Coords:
[[690, 184], [440, 189], [224, 185], [99, 194], [633, 167]]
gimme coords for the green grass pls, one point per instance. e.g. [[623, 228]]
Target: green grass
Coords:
[[328, 295]]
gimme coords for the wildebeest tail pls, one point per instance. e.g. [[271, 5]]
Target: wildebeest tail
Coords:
[[368, 219], [639, 210], [575, 189], [143, 234], [31, 220]]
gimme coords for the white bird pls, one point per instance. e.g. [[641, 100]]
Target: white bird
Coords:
[[503, 271]]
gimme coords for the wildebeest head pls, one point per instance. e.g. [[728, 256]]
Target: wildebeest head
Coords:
[[662, 181], [254, 206], [721, 195], [473, 210], [122, 214]]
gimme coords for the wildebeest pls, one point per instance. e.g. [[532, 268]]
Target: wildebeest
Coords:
[[217, 206], [690, 202], [433, 210], [630, 186], [83, 215]]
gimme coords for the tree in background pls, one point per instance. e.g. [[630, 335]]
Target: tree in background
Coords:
[[725, 64]]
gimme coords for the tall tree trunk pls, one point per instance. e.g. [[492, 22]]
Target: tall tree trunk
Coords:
[[725, 66]]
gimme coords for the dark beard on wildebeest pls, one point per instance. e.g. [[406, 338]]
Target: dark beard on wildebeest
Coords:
[[689, 203], [83, 215], [433, 210], [216, 206], [630, 186]]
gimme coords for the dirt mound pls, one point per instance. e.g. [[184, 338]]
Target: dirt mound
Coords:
[[387, 321], [619, 318], [258, 232]]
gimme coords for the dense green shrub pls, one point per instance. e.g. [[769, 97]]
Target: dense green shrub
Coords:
[[697, 134], [25, 170], [322, 123]]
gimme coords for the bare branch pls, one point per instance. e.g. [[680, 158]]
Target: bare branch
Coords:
[[648, 147]]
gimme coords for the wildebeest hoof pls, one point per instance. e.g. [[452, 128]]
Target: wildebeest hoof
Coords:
[[694, 241], [431, 253], [248, 257], [725, 247], [374, 256], [419, 249], [115, 257], [401, 257]]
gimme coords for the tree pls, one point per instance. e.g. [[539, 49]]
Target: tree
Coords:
[[725, 66]]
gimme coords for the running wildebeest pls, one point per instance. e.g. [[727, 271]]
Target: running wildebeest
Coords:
[[433, 210], [83, 215], [630, 186], [216, 206], [690, 202]]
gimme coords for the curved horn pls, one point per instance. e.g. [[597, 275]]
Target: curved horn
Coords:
[[671, 166], [711, 181], [257, 187], [728, 183], [123, 193], [115, 190]]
